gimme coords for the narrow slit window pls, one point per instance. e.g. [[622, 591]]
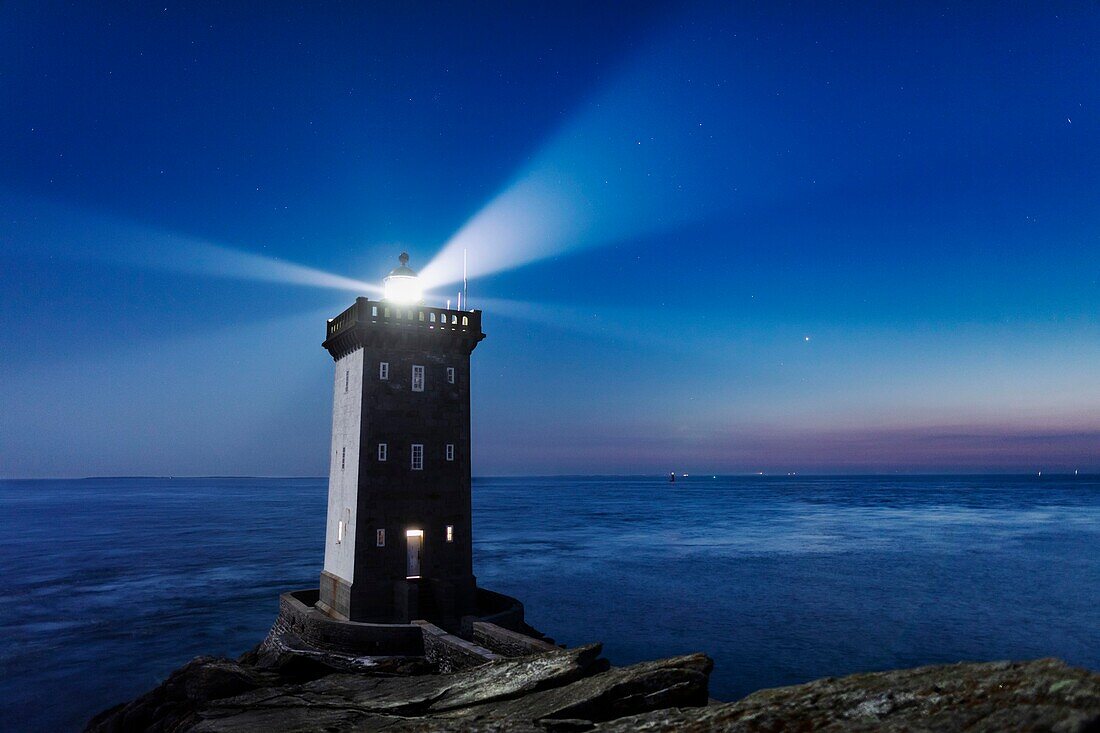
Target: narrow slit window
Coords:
[[383, 451], [384, 370], [450, 533], [340, 529], [418, 378], [347, 376], [343, 456], [380, 537], [450, 451], [450, 375], [417, 457]]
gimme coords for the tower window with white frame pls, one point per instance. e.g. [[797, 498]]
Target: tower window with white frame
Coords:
[[450, 451], [343, 456], [383, 451], [450, 375], [384, 370], [418, 378], [417, 461]]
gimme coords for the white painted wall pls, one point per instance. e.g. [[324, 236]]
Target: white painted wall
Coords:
[[343, 483]]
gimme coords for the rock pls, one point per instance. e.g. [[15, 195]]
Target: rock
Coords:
[[172, 705], [680, 681], [282, 650], [1043, 695], [569, 691], [426, 695], [540, 693]]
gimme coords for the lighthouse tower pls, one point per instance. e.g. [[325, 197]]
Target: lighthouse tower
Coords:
[[398, 545]]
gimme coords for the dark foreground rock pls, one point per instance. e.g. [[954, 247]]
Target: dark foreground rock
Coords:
[[576, 690], [1044, 695]]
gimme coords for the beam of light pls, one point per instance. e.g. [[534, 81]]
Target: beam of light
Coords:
[[181, 254], [82, 235], [657, 150]]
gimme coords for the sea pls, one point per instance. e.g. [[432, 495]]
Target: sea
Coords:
[[110, 584]]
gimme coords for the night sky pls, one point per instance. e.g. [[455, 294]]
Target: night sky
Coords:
[[820, 237]]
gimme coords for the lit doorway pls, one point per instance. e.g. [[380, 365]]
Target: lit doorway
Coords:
[[414, 541]]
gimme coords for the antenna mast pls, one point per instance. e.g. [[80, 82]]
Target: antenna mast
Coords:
[[465, 294]]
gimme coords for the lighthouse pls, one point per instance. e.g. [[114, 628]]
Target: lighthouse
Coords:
[[398, 545]]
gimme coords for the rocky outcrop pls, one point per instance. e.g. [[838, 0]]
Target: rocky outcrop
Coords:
[[173, 705], [301, 694], [1043, 695], [576, 690]]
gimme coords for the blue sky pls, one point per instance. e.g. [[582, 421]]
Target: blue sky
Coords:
[[779, 237]]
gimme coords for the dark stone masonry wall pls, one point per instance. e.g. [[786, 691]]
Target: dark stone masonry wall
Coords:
[[508, 643], [499, 609], [297, 615], [449, 652], [481, 640]]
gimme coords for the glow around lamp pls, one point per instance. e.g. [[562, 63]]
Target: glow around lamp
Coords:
[[402, 286]]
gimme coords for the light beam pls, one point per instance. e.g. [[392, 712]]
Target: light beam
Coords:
[[82, 235], [180, 254], [647, 155]]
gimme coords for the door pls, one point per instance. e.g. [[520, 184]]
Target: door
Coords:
[[414, 540]]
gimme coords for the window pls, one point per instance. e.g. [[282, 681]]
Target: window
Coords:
[[384, 370], [450, 375], [450, 451], [340, 528], [343, 455], [421, 315], [465, 321], [380, 537], [418, 457], [383, 451], [431, 316], [450, 533], [347, 375], [418, 378], [374, 311]]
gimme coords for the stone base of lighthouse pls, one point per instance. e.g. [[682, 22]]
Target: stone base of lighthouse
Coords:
[[303, 631], [446, 601]]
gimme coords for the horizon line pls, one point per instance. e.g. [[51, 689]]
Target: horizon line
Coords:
[[703, 474]]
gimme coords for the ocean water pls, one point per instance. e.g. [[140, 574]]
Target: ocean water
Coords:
[[112, 583]]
